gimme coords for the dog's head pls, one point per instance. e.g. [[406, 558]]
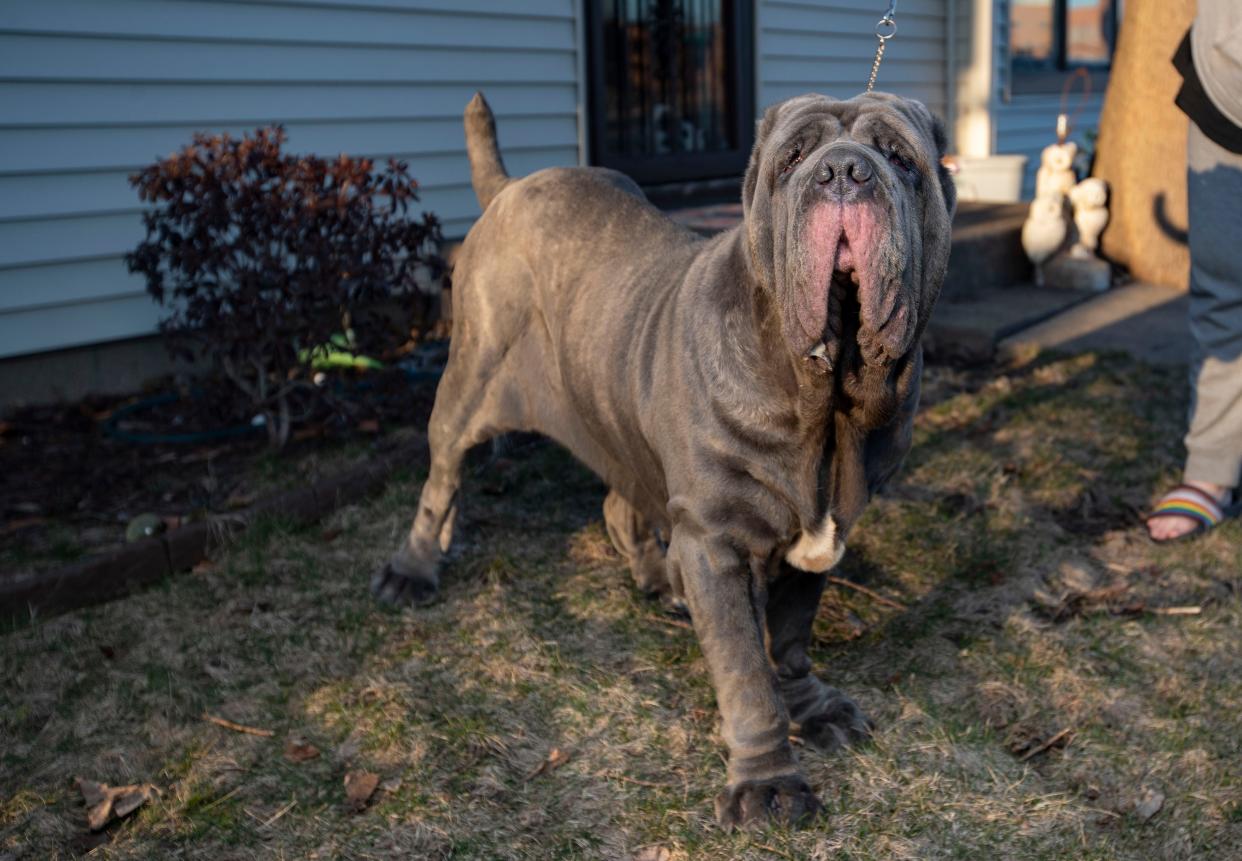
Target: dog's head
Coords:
[[848, 214]]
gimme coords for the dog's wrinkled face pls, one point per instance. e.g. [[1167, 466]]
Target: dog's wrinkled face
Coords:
[[848, 212]]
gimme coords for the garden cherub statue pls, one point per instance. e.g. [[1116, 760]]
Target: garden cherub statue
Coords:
[[1044, 231], [1056, 170], [1090, 201]]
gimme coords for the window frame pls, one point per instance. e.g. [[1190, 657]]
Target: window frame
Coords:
[[675, 167], [1045, 81]]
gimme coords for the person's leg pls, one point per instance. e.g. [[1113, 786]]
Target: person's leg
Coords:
[[1214, 440]]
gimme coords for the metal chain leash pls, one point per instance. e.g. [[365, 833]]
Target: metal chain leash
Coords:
[[885, 29]]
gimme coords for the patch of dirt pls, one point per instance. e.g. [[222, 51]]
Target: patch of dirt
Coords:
[[71, 488]]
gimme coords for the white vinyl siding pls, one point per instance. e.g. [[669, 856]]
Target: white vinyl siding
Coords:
[[91, 91], [828, 47]]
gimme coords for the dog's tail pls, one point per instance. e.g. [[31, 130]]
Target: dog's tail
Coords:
[[487, 171]]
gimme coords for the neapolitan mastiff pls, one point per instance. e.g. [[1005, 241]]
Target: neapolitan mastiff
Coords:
[[742, 396]]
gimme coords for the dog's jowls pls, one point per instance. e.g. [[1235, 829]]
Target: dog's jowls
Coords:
[[742, 396]]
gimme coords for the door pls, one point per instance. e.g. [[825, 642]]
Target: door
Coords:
[[671, 87]]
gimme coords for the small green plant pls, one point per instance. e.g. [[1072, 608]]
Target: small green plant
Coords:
[[261, 257]]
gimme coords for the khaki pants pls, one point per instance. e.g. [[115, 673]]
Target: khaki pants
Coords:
[[1214, 441]]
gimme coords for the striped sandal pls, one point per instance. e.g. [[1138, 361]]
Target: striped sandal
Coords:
[[1188, 501]]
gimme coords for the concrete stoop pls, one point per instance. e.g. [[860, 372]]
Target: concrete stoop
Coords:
[[1146, 321], [987, 251], [969, 328], [1017, 323]]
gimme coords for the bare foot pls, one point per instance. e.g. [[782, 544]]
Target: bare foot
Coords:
[[1173, 526]]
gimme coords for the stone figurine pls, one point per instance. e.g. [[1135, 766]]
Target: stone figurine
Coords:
[[1090, 201], [1044, 231]]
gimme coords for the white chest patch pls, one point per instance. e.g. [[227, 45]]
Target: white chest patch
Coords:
[[817, 551]]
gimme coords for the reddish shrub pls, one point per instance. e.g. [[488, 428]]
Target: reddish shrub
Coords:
[[261, 256]]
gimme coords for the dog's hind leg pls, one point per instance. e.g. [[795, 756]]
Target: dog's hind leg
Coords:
[[635, 539], [473, 404], [822, 715]]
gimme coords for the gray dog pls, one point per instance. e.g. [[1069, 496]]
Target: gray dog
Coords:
[[742, 396]]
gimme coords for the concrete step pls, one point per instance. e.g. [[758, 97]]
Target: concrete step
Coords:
[[967, 327], [1144, 320], [987, 250]]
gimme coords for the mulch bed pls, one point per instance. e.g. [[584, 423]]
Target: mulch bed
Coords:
[[71, 488]]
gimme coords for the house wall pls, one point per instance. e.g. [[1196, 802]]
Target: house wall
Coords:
[[91, 91], [1025, 124], [827, 46]]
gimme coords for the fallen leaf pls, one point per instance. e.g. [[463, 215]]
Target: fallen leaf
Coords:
[[653, 853], [298, 749], [105, 803], [391, 785], [556, 758], [1149, 805], [359, 787], [92, 793], [126, 802]]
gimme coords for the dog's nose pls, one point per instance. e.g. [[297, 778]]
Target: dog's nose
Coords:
[[845, 173]]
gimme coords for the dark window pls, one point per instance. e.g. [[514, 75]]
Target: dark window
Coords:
[[671, 87], [1050, 38]]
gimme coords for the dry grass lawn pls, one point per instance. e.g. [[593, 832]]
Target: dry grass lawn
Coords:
[[1030, 615]]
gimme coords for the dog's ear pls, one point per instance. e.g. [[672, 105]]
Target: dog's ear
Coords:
[[762, 130], [947, 185], [759, 223], [932, 127], [936, 230]]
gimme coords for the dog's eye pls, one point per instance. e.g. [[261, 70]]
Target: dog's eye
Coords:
[[792, 157], [895, 157]]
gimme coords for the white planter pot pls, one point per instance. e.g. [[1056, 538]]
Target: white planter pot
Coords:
[[995, 178]]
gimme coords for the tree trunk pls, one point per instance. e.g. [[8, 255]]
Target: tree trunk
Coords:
[[1142, 145]]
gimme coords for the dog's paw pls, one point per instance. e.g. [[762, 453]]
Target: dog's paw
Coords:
[[674, 606], [403, 590], [839, 722], [784, 800]]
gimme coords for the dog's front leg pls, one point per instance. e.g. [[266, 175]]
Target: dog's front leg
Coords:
[[726, 597], [822, 715]]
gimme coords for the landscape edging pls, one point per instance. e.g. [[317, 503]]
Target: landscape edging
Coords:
[[122, 570]]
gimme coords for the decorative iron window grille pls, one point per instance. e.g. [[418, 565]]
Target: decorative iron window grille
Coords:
[[672, 87]]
